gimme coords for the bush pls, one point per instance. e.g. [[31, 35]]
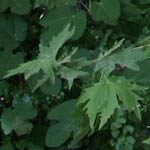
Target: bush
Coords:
[[74, 74]]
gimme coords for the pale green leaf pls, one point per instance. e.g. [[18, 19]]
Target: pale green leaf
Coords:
[[125, 57], [46, 60], [102, 99], [70, 74], [147, 141]]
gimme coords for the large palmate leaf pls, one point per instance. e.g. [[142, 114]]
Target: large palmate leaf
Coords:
[[106, 10], [102, 99], [18, 7], [12, 61], [16, 119], [46, 59], [56, 19], [13, 30], [124, 57]]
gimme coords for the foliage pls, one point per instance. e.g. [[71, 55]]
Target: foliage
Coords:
[[74, 71]]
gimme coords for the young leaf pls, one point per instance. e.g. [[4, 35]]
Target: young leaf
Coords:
[[46, 59], [147, 141], [102, 99], [125, 57], [70, 74]]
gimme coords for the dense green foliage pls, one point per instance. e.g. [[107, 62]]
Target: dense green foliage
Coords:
[[74, 74]]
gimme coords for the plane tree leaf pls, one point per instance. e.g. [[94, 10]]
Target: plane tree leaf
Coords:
[[102, 99], [124, 57], [70, 74], [46, 60]]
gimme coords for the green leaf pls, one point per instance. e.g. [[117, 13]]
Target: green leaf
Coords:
[[144, 1], [142, 76], [65, 2], [147, 141], [66, 124], [37, 130], [7, 146], [7, 120], [46, 59], [102, 98], [63, 130], [71, 120], [34, 147], [38, 3], [50, 88], [16, 6], [105, 10], [56, 19], [130, 11], [12, 61], [83, 125], [13, 30], [79, 20], [125, 57], [54, 3], [16, 119], [58, 112], [70, 74]]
